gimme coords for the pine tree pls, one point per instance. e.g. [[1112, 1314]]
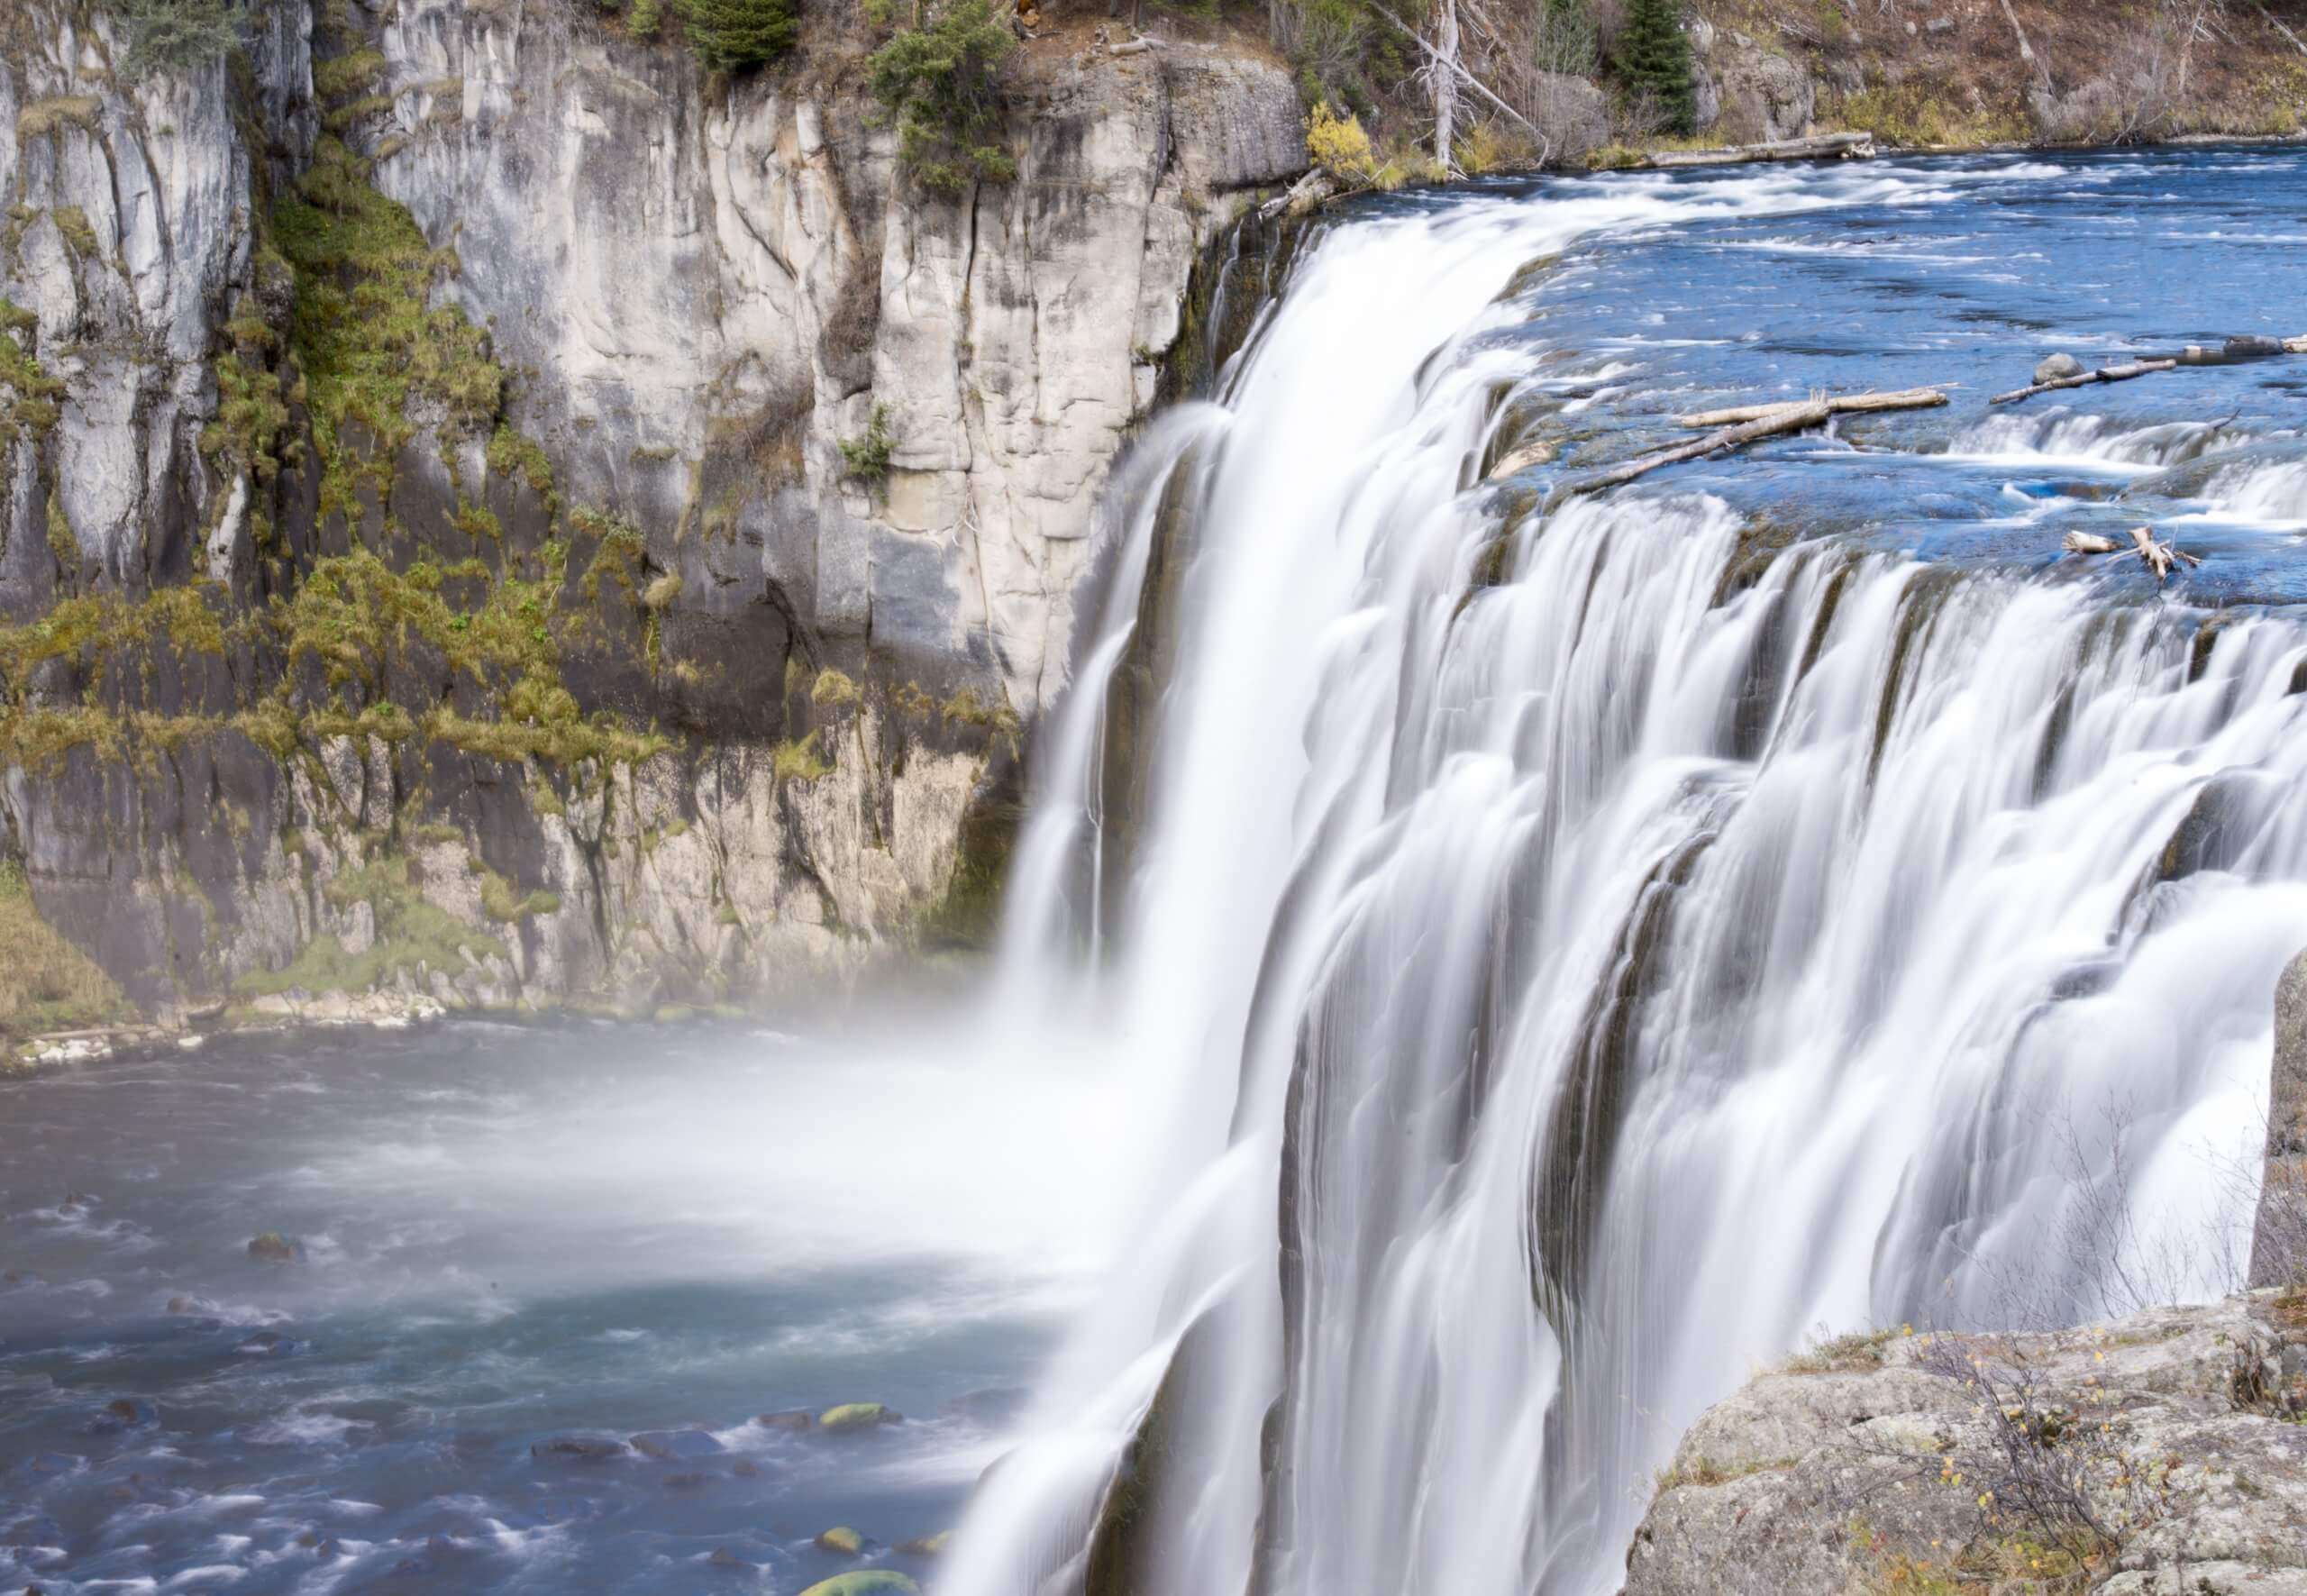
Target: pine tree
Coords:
[[1653, 60], [732, 35], [942, 86]]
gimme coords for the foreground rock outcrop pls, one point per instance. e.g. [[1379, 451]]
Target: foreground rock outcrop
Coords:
[[429, 561], [2163, 1452]]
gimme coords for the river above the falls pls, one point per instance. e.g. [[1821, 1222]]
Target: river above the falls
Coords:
[[514, 1250]]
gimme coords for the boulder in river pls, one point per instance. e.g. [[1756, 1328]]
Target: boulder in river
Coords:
[[2052, 368], [842, 1541], [577, 1449], [273, 1247], [2252, 346], [991, 1405], [676, 1446], [857, 1416], [796, 1419], [925, 1545], [127, 1413], [40, 1530], [865, 1581]]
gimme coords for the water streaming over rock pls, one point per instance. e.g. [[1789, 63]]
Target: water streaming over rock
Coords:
[[1568, 957]]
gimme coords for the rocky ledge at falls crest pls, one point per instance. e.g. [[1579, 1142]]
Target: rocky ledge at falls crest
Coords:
[[2163, 1452]]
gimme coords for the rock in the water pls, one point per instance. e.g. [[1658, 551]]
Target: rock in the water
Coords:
[[992, 1404], [577, 1449], [722, 1558], [687, 1480], [2054, 368], [2252, 346], [926, 1546], [677, 1446], [273, 1247], [132, 1413], [856, 1416], [27, 1533], [865, 1581], [744, 1468], [842, 1541], [798, 1419]]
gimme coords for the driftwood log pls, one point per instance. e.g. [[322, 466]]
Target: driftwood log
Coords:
[[1912, 398], [2158, 558], [1748, 424], [2123, 373], [1825, 146], [1782, 419]]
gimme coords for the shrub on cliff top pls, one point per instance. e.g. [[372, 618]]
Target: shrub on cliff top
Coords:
[[737, 35], [941, 84], [177, 35]]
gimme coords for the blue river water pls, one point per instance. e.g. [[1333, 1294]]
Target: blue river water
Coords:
[[1966, 271], [511, 1252]]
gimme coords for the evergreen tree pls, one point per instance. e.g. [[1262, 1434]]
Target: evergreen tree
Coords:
[[1652, 59], [941, 85], [733, 35]]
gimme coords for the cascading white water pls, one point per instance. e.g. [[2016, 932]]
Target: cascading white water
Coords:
[[1549, 999]]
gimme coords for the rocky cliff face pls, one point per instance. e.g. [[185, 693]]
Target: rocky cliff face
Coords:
[[431, 564], [2159, 1453], [1965, 73]]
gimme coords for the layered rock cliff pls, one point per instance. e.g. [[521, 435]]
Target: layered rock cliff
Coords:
[[431, 560]]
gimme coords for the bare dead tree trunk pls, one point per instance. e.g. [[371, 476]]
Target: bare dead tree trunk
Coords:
[[1457, 70], [2027, 52], [1447, 67]]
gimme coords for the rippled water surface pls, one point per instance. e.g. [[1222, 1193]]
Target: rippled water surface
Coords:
[[506, 1238], [1760, 284]]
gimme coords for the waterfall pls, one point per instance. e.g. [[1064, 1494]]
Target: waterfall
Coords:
[[1569, 957]]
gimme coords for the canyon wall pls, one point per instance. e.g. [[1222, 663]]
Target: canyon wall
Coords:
[[431, 567]]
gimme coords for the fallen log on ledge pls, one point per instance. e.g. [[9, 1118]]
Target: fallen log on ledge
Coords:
[[1748, 424], [1912, 398], [2123, 373], [1782, 419], [2158, 558], [1825, 146]]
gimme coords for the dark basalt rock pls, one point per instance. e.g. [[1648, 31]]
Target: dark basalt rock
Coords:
[[797, 1419], [677, 1446], [273, 1247], [126, 1413], [577, 1449]]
